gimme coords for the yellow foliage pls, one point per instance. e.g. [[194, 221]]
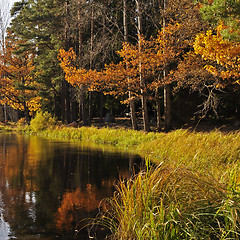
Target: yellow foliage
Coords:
[[224, 54]]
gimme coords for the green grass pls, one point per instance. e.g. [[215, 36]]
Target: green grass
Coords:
[[194, 192], [173, 203], [216, 154]]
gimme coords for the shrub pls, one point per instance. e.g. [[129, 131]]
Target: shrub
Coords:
[[42, 121]]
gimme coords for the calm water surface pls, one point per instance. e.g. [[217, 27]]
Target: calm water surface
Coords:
[[49, 189]]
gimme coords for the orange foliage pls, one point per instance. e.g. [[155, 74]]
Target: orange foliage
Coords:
[[17, 84], [117, 79], [78, 76], [87, 200]]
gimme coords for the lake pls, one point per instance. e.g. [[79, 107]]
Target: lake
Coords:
[[51, 190]]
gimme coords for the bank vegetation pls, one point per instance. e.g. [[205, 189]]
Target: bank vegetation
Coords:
[[190, 192]]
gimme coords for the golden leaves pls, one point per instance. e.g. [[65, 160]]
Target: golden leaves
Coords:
[[225, 54]]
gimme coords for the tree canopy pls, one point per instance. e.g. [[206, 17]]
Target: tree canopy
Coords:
[[73, 51]]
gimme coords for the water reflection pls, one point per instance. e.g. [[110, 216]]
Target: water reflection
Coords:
[[47, 188]]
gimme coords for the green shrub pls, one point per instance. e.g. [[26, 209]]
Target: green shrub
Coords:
[[42, 121]]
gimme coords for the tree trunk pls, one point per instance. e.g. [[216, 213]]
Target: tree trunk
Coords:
[[167, 89], [82, 104], [167, 106], [158, 109], [101, 106], [142, 82], [26, 111], [65, 103], [131, 101], [90, 103], [5, 112], [91, 66]]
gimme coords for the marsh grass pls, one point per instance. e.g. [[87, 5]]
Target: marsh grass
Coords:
[[193, 193], [5, 128], [215, 153], [173, 203]]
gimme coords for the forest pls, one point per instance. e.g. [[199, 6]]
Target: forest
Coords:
[[158, 61]]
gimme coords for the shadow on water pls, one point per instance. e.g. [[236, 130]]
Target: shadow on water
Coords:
[[49, 189]]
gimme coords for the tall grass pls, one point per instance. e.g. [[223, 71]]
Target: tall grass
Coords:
[[173, 203], [194, 192], [213, 153]]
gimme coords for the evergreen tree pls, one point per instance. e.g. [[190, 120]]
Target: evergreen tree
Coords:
[[41, 24], [228, 11]]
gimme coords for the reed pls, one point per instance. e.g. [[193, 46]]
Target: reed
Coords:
[[193, 193], [214, 153], [173, 203]]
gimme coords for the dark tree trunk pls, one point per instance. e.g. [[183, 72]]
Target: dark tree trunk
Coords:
[[90, 105], [65, 103], [101, 106], [83, 105], [167, 106]]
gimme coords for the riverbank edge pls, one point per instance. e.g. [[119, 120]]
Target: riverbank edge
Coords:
[[193, 193], [213, 153], [206, 164]]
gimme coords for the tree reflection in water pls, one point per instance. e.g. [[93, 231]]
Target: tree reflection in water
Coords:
[[49, 187]]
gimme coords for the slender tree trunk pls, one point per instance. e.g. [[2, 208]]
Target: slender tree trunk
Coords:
[[101, 106], [158, 109], [90, 105], [142, 82], [65, 103], [55, 104], [26, 111], [5, 112], [80, 46], [167, 88], [131, 101], [82, 103], [167, 106], [91, 66]]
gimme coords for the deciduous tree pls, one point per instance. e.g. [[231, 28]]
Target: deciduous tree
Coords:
[[17, 84]]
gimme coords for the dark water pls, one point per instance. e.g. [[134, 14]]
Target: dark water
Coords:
[[49, 189]]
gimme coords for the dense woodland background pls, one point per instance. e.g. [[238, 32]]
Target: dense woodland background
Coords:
[[162, 63]]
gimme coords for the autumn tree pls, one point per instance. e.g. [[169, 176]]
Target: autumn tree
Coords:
[[17, 84], [224, 54]]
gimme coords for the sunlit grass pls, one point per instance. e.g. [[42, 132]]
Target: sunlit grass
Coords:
[[193, 193], [214, 153], [173, 203], [9, 127]]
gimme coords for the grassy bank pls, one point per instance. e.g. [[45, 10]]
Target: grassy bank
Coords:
[[192, 194], [214, 153]]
